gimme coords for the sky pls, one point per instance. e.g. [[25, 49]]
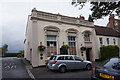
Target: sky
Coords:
[[14, 14]]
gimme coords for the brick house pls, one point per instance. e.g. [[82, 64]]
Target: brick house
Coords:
[[114, 23]]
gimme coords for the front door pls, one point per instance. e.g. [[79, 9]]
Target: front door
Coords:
[[88, 54]]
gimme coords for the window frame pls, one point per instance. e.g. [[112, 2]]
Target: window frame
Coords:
[[72, 41], [114, 41], [49, 41], [101, 41], [108, 41]]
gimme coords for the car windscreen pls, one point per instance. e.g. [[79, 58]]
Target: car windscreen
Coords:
[[110, 63], [52, 57]]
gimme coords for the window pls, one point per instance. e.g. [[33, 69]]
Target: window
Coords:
[[107, 41], [111, 62], [87, 36], [71, 41], [114, 41], [61, 58], [101, 41], [78, 58], [51, 41], [52, 57], [69, 58]]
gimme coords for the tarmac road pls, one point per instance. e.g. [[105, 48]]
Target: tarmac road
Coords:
[[13, 67]]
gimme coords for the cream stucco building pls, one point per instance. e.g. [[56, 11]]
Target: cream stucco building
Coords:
[[54, 31]]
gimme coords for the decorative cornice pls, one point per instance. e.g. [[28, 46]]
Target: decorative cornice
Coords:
[[61, 22], [39, 15]]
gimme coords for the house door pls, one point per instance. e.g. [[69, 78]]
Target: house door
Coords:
[[88, 54]]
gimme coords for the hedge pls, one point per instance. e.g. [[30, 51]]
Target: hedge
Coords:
[[108, 52], [13, 54]]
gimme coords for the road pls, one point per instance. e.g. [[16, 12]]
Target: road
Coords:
[[13, 67], [42, 72]]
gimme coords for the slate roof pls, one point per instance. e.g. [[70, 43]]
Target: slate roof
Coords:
[[105, 31]]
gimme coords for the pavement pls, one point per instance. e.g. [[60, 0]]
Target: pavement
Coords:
[[14, 68]]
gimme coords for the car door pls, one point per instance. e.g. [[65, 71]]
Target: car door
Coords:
[[79, 64], [69, 62]]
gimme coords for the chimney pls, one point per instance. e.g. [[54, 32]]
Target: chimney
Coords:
[[111, 16], [111, 21]]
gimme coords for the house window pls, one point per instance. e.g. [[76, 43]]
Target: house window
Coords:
[[51, 41], [71, 41], [86, 36], [107, 41], [114, 41], [101, 41], [51, 45], [72, 44]]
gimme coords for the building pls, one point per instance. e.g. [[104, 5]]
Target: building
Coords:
[[106, 36], [54, 31], [114, 23]]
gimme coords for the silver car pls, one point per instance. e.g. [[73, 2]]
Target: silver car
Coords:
[[67, 62]]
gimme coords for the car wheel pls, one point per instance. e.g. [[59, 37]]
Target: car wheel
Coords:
[[62, 69], [88, 67]]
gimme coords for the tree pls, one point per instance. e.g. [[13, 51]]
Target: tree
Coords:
[[4, 49], [100, 9]]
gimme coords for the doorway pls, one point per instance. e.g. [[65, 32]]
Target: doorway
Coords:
[[88, 51]]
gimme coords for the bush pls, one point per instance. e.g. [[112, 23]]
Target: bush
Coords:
[[108, 52], [13, 54]]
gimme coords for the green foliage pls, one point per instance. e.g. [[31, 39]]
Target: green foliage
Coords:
[[13, 54], [100, 9], [64, 49], [41, 48], [90, 18], [108, 52]]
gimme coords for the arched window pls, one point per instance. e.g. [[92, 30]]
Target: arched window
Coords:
[[51, 39], [72, 33], [87, 36]]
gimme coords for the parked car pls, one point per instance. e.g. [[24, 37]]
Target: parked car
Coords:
[[109, 70], [67, 62]]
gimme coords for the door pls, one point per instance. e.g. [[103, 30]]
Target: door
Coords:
[[79, 64], [88, 54], [69, 61]]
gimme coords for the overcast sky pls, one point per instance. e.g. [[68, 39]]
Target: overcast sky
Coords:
[[13, 18]]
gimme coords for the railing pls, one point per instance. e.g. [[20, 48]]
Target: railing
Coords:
[[87, 39]]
